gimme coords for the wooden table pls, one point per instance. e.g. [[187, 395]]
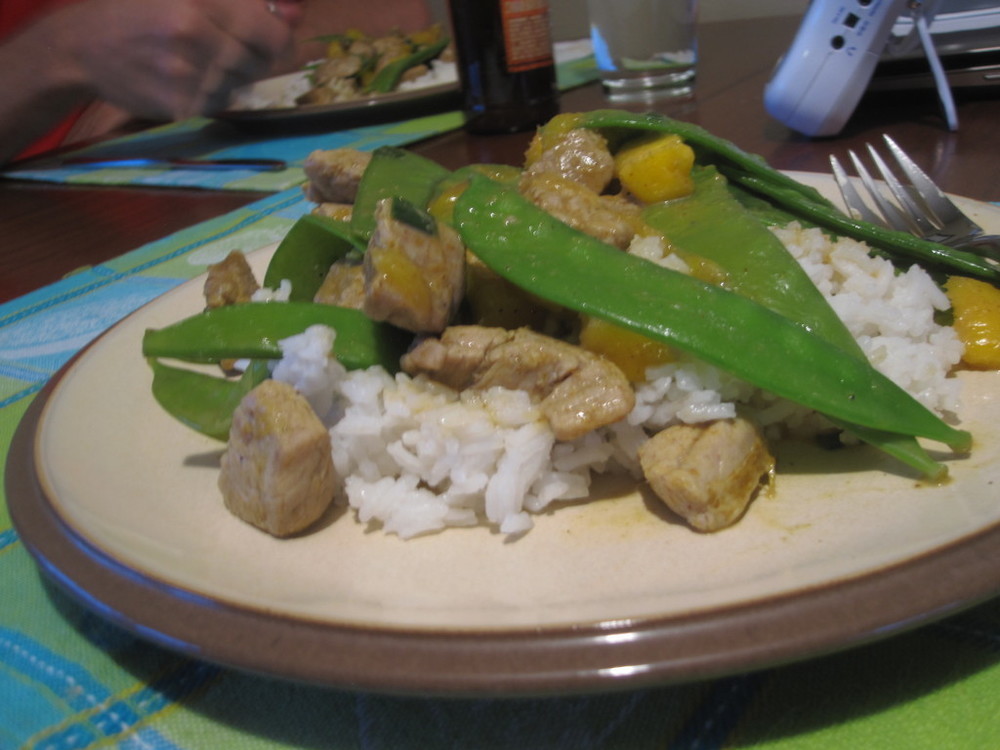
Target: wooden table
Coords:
[[49, 231]]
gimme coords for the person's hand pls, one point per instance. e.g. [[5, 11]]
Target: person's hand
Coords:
[[171, 59]]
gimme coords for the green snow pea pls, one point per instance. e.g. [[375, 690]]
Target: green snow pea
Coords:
[[393, 173], [253, 330], [387, 79], [203, 402], [712, 223], [753, 173], [548, 258], [898, 245], [709, 148], [306, 253]]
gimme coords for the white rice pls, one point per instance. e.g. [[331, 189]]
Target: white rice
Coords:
[[417, 457]]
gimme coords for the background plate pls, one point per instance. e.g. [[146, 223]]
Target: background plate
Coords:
[[398, 105], [119, 504]]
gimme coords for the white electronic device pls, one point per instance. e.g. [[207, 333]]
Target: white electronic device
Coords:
[[820, 80]]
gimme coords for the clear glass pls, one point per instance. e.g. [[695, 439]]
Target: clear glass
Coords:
[[643, 45]]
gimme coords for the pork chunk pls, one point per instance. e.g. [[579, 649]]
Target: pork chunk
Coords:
[[277, 472], [609, 218], [334, 175], [580, 155], [229, 281], [707, 473], [343, 286], [414, 277], [346, 66], [338, 211], [577, 391]]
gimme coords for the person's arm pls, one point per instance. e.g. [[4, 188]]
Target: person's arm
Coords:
[[36, 92], [156, 59]]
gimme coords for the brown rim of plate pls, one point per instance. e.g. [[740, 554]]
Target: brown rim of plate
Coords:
[[589, 657]]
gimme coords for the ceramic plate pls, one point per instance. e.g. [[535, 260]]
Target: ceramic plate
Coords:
[[397, 105], [119, 503]]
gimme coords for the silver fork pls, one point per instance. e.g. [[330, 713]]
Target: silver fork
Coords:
[[918, 206]]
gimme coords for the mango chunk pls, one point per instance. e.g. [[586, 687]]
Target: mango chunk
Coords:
[[976, 308], [632, 352], [656, 169]]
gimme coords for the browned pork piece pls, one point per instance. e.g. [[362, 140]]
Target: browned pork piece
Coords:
[[390, 47], [580, 155], [609, 218], [346, 66], [577, 391], [343, 286], [229, 281], [338, 211], [334, 175], [277, 472], [414, 277], [707, 473]]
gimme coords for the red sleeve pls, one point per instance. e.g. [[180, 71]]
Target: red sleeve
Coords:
[[14, 15]]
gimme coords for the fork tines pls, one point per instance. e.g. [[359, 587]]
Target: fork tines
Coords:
[[913, 204]]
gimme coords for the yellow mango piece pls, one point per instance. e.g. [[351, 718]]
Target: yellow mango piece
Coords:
[[427, 36], [494, 301], [442, 205], [335, 50], [656, 169], [632, 352], [976, 308]]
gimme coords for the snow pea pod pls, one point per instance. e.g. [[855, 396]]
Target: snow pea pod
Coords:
[[710, 148], [203, 402], [897, 244], [306, 253], [753, 173], [387, 79], [393, 173], [712, 223], [550, 259], [253, 330]]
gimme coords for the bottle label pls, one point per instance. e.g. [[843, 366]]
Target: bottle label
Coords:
[[527, 38]]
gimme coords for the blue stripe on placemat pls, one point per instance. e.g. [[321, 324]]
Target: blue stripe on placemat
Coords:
[[41, 688], [46, 689], [7, 538], [41, 331], [88, 280]]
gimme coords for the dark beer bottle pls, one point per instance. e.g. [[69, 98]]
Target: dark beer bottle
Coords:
[[505, 63]]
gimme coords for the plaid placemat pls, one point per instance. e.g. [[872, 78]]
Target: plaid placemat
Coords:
[[211, 139], [68, 679], [202, 138]]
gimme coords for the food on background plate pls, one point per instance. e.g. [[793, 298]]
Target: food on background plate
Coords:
[[679, 350], [358, 66]]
